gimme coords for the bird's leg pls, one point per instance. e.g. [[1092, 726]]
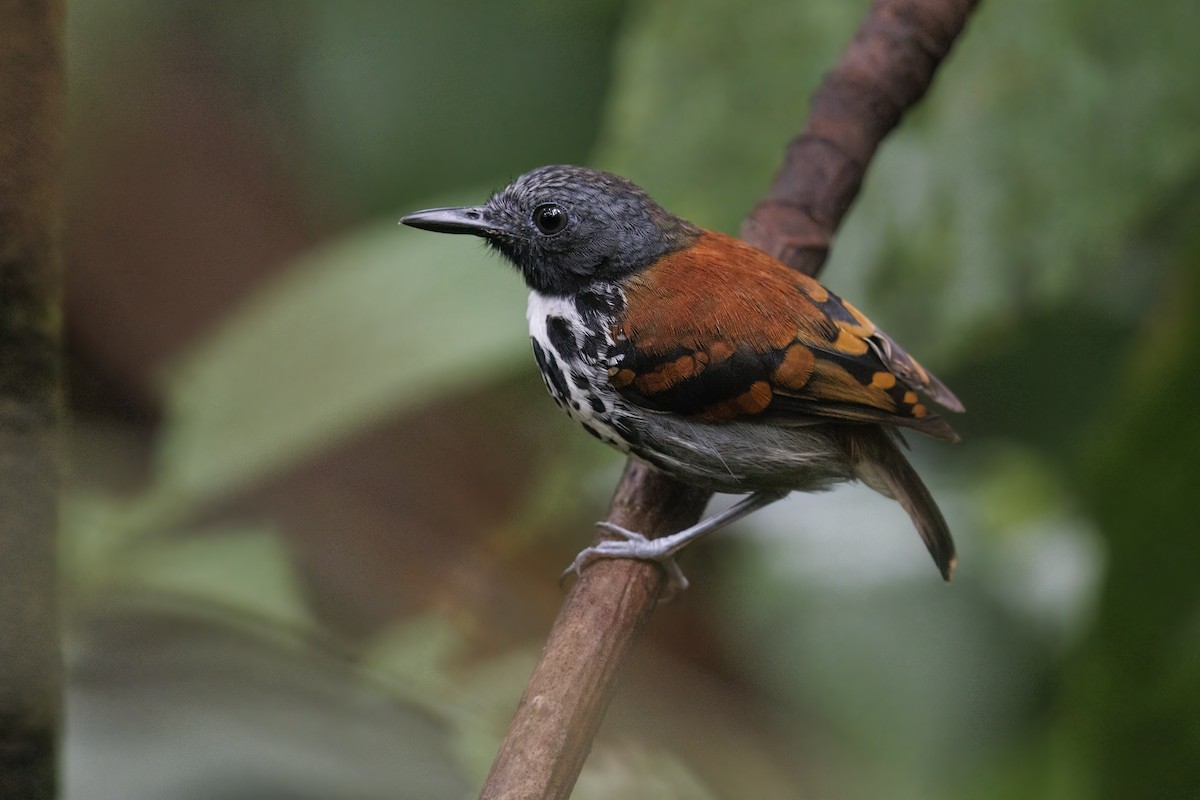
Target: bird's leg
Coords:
[[664, 549]]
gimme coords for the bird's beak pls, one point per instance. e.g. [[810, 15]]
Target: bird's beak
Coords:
[[465, 219]]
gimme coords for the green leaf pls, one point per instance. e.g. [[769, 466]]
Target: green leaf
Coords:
[[363, 329], [192, 709], [234, 569]]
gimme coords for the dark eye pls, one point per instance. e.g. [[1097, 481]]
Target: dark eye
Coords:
[[550, 218]]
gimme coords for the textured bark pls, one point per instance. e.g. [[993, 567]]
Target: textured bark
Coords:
[[30, 153], [885, 70]]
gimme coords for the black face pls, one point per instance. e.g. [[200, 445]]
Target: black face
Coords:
[[565, 227]]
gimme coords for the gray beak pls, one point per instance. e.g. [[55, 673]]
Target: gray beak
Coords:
[[465, 219]]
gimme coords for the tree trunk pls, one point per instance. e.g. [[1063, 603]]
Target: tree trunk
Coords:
[[31, 93]]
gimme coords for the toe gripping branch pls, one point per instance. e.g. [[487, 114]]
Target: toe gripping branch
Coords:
[[664, 549]]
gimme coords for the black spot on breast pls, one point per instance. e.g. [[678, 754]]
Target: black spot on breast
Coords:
[[592, 431], [552, 373], [561, 338], [597, 405], [591, 347], [580, 380], [593, 305]]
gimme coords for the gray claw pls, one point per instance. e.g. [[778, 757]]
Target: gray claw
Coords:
[[635, 546]]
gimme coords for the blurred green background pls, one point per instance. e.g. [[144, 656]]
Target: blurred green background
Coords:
[[319, 502]]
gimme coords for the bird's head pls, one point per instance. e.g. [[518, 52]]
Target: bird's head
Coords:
[[565, 227]]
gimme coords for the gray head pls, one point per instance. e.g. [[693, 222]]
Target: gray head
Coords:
[[565, 227]]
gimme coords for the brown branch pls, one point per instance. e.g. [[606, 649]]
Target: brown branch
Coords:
[[30, 155], [608, 606], [885, 70]]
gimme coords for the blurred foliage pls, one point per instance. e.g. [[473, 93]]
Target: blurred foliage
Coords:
[[1139, 698], [497, 85], [166, 704], [244, 403], [1030, 231]]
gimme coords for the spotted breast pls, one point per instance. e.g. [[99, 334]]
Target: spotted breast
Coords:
[[572, 340]]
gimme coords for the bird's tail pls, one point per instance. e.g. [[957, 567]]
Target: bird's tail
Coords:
[[879, 463]]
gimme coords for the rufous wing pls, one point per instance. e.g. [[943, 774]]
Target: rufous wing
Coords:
[[720, 331]]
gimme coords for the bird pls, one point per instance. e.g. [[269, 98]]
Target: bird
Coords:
[[704, 357]]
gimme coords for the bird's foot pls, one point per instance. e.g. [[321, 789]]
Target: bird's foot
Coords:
[[634, 545]]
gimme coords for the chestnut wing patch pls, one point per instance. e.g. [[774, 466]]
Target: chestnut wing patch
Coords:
[[777, 347]]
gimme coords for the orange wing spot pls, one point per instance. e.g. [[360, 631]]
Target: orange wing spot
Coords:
[[749, 402], [666, 376], [883, 380], [796, 368], [830, 382], [719, 351], [849, 341], [686, 366], [919, 410], [910, 397], [864, 327], [815, 291], [623, 378], [782, 337], [756, 398], [651, 382]]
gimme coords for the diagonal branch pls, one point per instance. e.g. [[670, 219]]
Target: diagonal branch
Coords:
[[883, 72]]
